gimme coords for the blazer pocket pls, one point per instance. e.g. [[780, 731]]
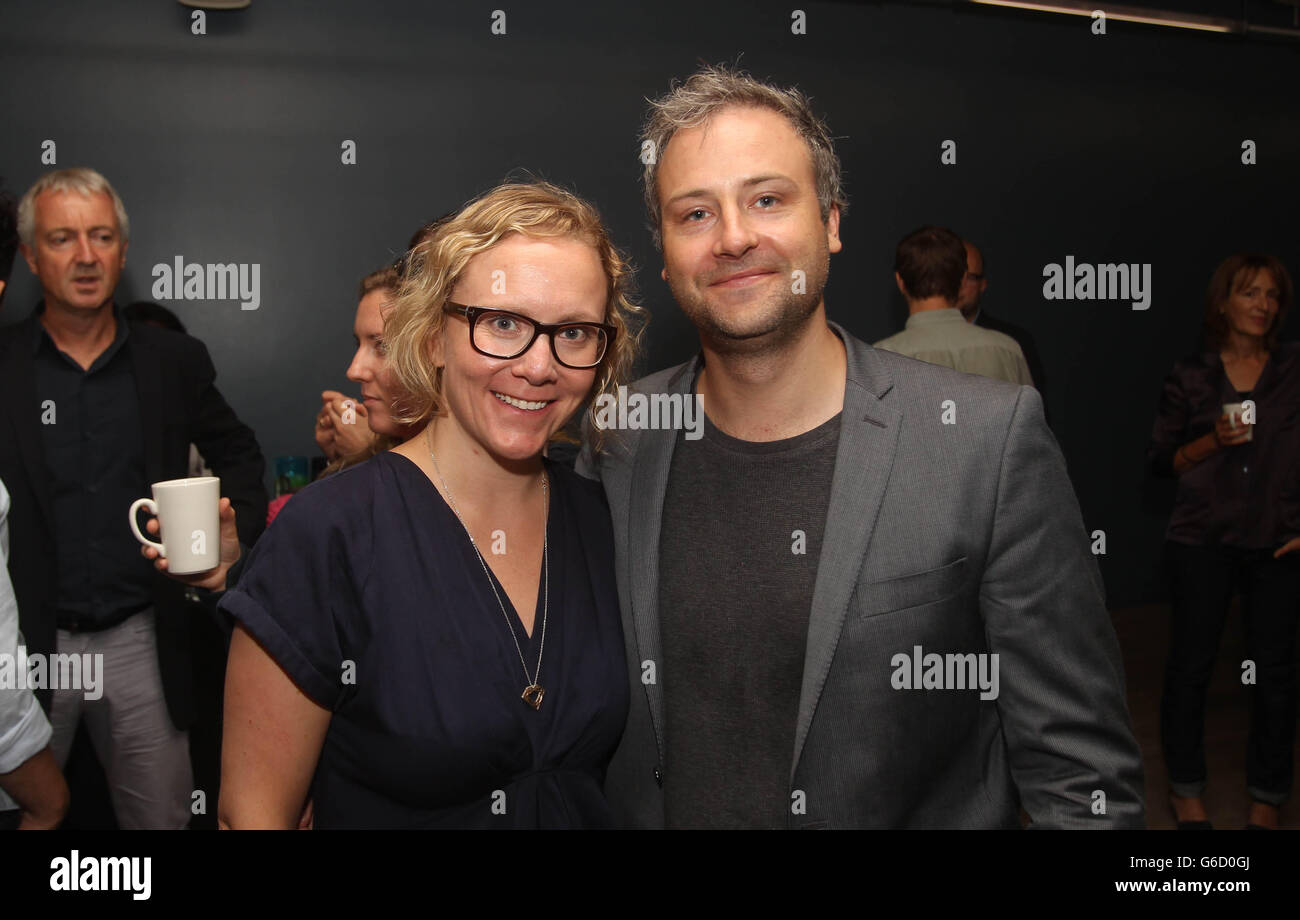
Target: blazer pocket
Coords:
[[915, 590]]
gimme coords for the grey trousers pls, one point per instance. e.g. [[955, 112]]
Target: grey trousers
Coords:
[[146, 759]]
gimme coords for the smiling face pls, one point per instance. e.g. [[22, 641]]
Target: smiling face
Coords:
[[78, 252], [740, 217], [369, 365], [1252, 307], [511, 407]]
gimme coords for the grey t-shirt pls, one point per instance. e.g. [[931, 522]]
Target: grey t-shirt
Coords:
[[738, 552]]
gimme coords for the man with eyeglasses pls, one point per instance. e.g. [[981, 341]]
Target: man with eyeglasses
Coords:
[[974, 283]]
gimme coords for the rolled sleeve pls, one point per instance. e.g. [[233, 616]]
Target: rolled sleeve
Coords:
[[296, 595]]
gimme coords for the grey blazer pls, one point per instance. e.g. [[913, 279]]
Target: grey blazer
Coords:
[[952, 526]]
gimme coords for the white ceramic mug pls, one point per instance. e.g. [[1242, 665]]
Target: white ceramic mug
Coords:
[[189, 522], [1233, 412]]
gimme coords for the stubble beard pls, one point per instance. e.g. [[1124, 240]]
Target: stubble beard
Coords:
[[778, 321]]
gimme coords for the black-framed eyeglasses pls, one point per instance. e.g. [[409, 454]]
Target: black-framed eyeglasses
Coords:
[[502, 334]]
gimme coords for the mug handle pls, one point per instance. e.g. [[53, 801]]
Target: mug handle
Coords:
[[147, 504]]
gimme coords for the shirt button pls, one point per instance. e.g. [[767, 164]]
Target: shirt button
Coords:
[[659, 777]]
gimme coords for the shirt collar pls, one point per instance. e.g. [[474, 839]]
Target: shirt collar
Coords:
[[39, 334], [935, 317]]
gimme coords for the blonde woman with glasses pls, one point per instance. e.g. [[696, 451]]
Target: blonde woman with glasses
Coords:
[[432, 638]]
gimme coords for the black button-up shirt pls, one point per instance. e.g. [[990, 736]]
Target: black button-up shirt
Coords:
[[94, 453], [1247, 495]]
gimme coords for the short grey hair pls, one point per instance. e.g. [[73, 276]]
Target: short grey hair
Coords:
[[714, 88], [84, 181]]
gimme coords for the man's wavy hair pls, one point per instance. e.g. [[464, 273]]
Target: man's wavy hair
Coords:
[[537, 209], [714, 88]]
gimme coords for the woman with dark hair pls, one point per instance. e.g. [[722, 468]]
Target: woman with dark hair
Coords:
[[1228, 429]]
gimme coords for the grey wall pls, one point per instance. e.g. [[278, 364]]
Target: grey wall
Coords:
[[226, 148]]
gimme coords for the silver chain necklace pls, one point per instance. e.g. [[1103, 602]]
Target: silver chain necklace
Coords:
[[534, 692]]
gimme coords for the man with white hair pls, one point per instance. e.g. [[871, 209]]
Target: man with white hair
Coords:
[[97, 411]]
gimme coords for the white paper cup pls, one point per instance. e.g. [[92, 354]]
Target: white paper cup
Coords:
[[189, 522], [1233, 412]]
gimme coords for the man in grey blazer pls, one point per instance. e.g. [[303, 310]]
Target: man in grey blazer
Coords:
[[864, 597]]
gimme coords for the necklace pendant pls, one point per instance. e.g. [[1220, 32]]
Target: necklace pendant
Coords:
[[532, 695]]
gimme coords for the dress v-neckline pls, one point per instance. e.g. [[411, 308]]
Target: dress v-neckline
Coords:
[[540, 603]]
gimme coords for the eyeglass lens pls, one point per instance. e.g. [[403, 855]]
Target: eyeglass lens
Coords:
[[504, 335]]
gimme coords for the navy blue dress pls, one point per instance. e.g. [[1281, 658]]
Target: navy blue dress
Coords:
[[368, 593]]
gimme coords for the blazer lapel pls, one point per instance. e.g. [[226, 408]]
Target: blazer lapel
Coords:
[[868, 439], [648, 485], [18, 371]]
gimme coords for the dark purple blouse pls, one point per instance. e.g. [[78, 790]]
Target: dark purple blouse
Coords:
[[1248, 495]]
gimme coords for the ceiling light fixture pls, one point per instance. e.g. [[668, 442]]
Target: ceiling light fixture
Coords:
[[1125, 14]]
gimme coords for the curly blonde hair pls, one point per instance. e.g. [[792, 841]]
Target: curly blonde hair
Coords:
[[437, 263]]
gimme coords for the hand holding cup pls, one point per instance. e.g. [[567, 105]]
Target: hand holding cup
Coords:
[[213, 579], [1229, 430], [197, 527]]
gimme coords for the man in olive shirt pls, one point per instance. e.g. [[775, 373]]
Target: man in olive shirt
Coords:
[[929, 266]]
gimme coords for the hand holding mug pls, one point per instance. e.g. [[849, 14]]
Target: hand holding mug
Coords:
[[214, 579], [1229, 430], [188, 520]]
